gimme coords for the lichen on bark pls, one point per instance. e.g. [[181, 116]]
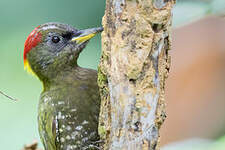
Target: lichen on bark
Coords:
[[132, 72]]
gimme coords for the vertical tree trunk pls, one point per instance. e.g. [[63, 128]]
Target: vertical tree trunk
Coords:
[[132, 72]]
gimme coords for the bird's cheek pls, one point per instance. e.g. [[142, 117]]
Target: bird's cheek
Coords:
[[68, 49]]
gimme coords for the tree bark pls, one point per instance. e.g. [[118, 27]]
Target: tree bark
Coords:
[[132, 72]]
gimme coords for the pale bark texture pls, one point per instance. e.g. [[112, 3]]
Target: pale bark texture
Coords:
[[132, 72]]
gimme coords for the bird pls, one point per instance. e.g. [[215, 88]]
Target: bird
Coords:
[[69, 104]]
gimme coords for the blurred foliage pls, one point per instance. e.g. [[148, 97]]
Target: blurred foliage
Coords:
[[18, 18], [18, 124], [187, 11], [197, 144], [218, 145]]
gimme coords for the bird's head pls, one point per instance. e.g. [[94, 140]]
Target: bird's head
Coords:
[[52, 48]]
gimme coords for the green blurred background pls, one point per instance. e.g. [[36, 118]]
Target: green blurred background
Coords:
[[18, 123]]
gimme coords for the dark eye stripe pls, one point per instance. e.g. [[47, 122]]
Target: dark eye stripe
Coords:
[[67, 36]]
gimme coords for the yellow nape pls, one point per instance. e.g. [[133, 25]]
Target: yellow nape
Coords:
[[28, 68], [84, 38]]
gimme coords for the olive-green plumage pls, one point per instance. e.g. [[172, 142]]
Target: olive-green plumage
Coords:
[[68, 110], [69, 104]]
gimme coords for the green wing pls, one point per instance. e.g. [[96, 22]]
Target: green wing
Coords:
[[48, 129]]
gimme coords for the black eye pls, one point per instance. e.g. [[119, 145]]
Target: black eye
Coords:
[[55, 39]]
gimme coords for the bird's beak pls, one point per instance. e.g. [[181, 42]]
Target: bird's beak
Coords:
[[86, 34]]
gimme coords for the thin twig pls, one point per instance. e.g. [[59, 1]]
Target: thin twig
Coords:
[[32, 146], [9, 97]]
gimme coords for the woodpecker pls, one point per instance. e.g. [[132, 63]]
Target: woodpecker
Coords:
[[69, 104]]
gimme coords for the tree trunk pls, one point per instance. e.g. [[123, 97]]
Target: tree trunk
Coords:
[[132, 72]]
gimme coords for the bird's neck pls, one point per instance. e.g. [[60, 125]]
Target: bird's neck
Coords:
[[65, 77]]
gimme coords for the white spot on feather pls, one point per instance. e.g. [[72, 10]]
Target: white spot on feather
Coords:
[[79, 128], [59, 115], [61, 102], [73, 110], [84, 122], [68, 137], [68, 128], [62, 140]]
